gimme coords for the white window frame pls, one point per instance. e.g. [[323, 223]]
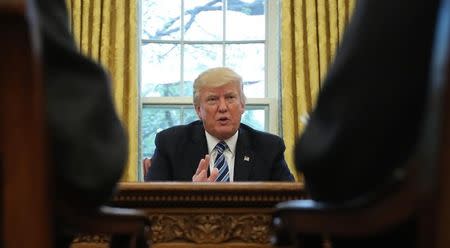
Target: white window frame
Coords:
[[272, 77]]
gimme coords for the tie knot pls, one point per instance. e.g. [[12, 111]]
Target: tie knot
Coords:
[[221, 146]]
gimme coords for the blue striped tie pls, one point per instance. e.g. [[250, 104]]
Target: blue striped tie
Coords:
[[221, 163]]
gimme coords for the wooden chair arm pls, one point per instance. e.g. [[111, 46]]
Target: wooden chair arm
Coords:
[[309, 217], [384, 208], [127, 227], [110, 220]]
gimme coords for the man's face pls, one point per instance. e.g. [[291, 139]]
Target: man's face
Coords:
[[220, 109]]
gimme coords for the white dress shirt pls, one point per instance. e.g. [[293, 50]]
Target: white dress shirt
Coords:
[[229, 153]]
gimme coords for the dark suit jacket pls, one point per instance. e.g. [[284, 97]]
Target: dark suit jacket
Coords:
[[368, 113], [88, 143], [89, 147], [179, 150]]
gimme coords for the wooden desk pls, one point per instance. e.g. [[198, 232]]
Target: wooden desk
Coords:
[[204, 215]]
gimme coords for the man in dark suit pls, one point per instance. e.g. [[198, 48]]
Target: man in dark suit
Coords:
[[191, 152], [87, 141], [369, 111]]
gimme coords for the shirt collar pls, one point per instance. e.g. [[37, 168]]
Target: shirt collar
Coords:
[[212, 141]]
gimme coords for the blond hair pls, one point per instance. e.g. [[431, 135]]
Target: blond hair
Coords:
[[216, 77]]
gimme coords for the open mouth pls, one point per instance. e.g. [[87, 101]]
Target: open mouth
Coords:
[[223, 120]]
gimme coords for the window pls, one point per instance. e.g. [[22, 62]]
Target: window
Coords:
[[182, 38]]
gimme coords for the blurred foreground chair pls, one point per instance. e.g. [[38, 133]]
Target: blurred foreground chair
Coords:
[[421, 189], [25, 175]]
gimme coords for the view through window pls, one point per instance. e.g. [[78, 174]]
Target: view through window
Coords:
[[182, 38]]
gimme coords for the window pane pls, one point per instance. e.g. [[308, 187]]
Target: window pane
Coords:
[[157, 118], [161, 19], [203, 20], [255, 117], [198, 58], [188, 114], [248, 60], [160, 70], [245, 20]]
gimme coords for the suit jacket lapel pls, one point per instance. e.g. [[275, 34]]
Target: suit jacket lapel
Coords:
[[198, 148], [243, 162]]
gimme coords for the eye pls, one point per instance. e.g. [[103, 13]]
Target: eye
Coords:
[[230, 98], [211, 100]]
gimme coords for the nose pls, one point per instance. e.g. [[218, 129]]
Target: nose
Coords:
[[222, 105]]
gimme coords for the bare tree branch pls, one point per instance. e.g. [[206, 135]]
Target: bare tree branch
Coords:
[[254, 8]]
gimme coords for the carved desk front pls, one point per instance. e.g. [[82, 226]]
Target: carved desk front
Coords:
[[204, 215]]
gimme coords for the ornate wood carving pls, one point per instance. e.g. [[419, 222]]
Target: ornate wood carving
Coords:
[[91, 241], [211, 228], [203, 214], [98, 238]]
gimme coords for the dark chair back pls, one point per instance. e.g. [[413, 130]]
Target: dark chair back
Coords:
[[24, 170], [420, 189], [26, 203]]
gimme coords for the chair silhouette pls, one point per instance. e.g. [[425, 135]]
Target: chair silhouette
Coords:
[[25, 184], [420, 189]]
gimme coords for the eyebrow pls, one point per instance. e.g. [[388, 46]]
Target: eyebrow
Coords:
[[211, 95], [231, 93]]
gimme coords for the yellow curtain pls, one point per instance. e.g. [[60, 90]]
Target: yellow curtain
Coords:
[[310, 33], [106, 30]]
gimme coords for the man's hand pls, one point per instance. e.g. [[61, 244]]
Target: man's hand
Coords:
[[201, 174], [146, 163]]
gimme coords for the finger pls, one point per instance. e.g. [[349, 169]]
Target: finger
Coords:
[[213, 176], [203, 164], [200, 166], [200, 177], [207, 159], [194, 177]]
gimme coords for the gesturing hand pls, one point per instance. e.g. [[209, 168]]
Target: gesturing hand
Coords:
[[201, 174]]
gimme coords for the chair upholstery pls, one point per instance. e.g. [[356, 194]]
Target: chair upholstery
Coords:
[[25, 187], [421, 188]]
